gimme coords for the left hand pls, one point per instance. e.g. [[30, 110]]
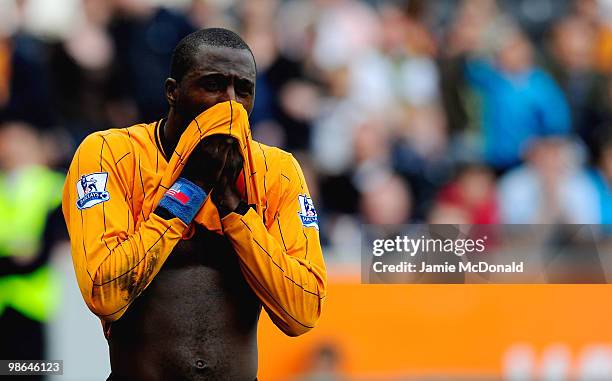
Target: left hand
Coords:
[[225, 194]]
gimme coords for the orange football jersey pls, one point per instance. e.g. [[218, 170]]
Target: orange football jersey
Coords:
[[116, 180]]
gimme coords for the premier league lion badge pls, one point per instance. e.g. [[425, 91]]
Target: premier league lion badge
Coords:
[[307, 212], [92, 190]]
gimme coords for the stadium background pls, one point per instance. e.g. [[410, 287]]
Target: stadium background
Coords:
[[471, 111]]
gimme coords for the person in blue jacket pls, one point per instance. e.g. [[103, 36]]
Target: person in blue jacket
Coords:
[[520, 102]]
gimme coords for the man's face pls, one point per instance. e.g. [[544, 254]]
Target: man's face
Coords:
[[218, 75]]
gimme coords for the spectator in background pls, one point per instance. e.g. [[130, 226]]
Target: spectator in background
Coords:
[[343, 107], [573, 46], [32, 223], [473, 194], [354, 76], [474, 31], [550, 188], [24, 83], [601, 176], [420, 153], [520, 101], [287, 98], [464, 34], [369, 174], [408, 51], [83, 66], [419, 136], [141, 33], [372, 141], [386, 201]]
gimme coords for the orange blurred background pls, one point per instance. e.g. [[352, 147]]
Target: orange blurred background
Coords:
[[398, 331]]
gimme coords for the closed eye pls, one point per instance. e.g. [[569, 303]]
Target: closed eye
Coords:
[[214, 82], [243, 87]]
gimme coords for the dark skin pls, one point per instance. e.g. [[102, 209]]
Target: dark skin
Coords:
[[197, 320], [219, 74]]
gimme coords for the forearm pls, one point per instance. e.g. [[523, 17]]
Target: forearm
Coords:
[[291, 287], [131, 264], [113, 266]]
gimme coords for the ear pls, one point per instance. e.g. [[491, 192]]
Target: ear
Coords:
[[171, 88]]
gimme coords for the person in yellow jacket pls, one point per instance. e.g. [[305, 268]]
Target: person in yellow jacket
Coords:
[[182, 229], [31, 226]]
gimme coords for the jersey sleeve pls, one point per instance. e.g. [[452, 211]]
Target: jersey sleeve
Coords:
[[114, 261], [283, 263]]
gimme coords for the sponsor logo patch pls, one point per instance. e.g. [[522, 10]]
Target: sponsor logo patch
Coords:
[[307, 212], [91, 189]]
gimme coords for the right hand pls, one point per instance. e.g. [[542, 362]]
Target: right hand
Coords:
[[207, 161]]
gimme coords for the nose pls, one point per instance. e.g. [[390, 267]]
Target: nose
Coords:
[[230, 92]]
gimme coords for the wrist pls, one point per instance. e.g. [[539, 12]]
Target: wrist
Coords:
[[195, 181], [182, 200]]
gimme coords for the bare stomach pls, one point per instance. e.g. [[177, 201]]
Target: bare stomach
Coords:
[[197, 320]]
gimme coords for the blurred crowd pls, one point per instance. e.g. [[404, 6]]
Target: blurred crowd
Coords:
[[399, 111], [472, 111]]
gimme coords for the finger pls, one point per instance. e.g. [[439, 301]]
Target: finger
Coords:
[[220, 170], [234, 164], [238, 163]]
